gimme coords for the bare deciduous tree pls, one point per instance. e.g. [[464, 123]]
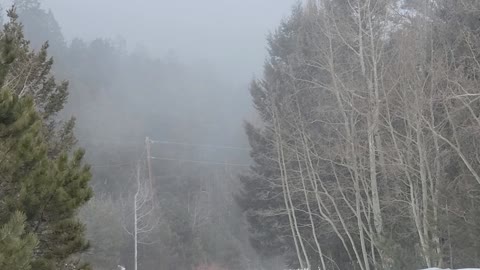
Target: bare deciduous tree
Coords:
[[141, 218]]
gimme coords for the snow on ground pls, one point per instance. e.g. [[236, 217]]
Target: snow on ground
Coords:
[[451, 269]]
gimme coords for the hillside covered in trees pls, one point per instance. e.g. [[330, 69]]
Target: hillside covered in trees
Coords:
[[360, 151], [118, 97]]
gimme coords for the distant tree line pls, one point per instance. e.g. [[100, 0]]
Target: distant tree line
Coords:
[[118, 97]]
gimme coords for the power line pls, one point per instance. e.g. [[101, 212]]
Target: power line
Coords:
[[132, 143], [175, 159], [202, 145], [112, 165], [204, 162]]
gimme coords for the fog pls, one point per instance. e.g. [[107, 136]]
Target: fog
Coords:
[[239, 134], [228, 34], [161, 87]]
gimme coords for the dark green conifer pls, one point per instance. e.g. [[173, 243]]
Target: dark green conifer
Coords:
[[40, 193]]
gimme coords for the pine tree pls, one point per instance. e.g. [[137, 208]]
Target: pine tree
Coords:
[[48, 189], [31, 74], [18, 129], [40, 25], [16, 246]]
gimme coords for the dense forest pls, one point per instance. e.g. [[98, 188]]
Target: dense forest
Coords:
[[360, 151], [366, 155], [107, 100]]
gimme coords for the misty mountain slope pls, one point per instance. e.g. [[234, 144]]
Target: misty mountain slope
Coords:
[[361, 151], [118, 98]]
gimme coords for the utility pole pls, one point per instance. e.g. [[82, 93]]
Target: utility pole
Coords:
[[144, 220], [149, 161]]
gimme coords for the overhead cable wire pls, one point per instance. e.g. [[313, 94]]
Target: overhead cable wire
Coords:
[[202, 145], [135, 143], [203, 162], [113, 165], [175, 159]]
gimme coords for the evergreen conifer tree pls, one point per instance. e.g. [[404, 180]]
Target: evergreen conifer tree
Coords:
[[16, 246], [40, 193]]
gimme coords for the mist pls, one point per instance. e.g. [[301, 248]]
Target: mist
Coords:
[[160, 88], [239, 135], [228, 35]]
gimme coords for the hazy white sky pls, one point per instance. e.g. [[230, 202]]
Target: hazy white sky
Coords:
[[230, 34]]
